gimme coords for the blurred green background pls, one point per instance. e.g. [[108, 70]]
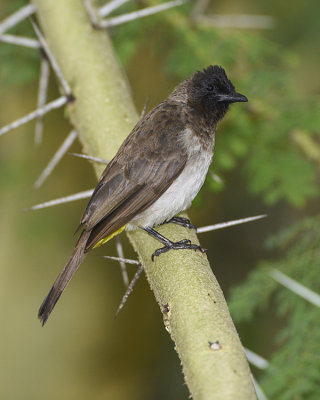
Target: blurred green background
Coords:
[[268, 157]]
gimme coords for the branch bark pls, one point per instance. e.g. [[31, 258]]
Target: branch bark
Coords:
[[194, 308]]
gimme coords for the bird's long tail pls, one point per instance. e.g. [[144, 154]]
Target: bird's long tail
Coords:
[[64, 278]]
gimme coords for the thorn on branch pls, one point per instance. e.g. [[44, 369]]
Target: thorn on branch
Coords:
[[229, 223], [61, 101], [201, 17], [90, 158], [144, 110], [42, 97], [121, 19], [132, 283], [236, 21], [126, 260], [53, 62], [110, 7], [256, 360], [124, 272], [296, 287], [91, 12], [56, 158], [215, 177], [129, 289], [258, 389], [17, 17], [62, 200], [20, 41]]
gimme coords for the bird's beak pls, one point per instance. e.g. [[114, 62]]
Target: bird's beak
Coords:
[[232, 97]]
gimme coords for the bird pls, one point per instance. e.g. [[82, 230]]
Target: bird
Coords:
[[156, 173]]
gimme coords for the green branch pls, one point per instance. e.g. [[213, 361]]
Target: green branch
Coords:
[[195, 311]]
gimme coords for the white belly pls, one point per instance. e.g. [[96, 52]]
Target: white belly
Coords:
[[179, 195]]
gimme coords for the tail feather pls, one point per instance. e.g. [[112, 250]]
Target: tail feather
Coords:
[[64, 278]]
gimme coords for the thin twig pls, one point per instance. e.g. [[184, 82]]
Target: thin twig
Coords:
[[54, 64], [229, 223], [296, 287], [90, 158], [42, 97], [17, 17], [236, 21], [62, 200], [124, 272], [126, 260], [109, 7], [56, 158], [121, 19], [256, 360], [20, 41], [61, 101], [129, 289]]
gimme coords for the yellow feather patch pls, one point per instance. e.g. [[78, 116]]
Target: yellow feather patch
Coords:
[[107, 238]]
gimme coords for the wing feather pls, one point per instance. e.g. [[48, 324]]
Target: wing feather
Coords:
[[144, 167], [136, 203]]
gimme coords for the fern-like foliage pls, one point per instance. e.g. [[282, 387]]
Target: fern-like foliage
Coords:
[[294, 371]]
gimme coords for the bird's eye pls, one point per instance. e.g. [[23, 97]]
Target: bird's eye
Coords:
[[210, 88]]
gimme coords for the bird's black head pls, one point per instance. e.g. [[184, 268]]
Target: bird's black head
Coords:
[[211, 91]]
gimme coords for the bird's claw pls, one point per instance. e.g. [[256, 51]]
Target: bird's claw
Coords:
[[182, 244], [183, 222]]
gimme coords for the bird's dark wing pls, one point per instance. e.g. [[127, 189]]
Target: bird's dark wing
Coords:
[[145, 166], [136, 201]]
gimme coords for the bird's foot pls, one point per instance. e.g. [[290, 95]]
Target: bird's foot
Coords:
[[168, 245], [183, 222], [182, 244]]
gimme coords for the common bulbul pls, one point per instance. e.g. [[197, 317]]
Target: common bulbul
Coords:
[[157, 171]]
